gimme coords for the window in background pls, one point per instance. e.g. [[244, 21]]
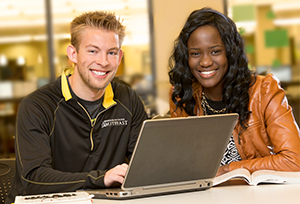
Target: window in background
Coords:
[[271, 30], [22, 61]]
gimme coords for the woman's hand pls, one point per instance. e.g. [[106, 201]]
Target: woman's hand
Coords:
[[223, 169]]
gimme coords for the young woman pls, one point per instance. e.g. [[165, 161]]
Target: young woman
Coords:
[[209, 75]]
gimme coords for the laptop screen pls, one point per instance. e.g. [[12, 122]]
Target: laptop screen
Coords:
[[179, 150]]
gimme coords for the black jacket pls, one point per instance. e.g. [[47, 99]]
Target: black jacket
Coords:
[[60, 149]]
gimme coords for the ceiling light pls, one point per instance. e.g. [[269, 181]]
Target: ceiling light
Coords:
[[9, 13], [287, 6], [28, 38], [22, 23], [21, 61], [288, 21], [15, 39], [3, 60]]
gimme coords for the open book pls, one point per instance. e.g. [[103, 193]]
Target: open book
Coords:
[[260, 176]]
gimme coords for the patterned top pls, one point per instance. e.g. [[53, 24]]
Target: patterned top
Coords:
[[231, 153]]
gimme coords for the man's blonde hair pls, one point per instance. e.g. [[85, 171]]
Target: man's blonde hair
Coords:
[[96, 19]]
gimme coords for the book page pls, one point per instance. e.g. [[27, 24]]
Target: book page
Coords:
[[235, 174], [271, 176]]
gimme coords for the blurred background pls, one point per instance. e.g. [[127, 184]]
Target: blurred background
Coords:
[[34, 35]]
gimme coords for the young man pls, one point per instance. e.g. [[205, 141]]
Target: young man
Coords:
[[78, 131]]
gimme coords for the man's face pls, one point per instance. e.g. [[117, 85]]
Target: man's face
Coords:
[[97, 58]]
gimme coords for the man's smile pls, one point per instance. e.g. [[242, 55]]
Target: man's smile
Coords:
[[99, 73]]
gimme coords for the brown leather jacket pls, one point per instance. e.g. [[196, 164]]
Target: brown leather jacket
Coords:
[[272, 140]]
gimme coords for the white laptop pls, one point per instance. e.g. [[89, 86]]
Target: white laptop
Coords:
[[174, 155]]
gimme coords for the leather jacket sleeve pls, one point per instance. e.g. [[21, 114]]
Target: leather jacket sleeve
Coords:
[[272, 139]]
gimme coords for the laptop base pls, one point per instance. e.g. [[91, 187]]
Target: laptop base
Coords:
[[119, 194]]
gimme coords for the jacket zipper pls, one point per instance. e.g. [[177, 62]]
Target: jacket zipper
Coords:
[[93, 123]]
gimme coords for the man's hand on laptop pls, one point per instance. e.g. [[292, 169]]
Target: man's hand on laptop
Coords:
[[115, 175]]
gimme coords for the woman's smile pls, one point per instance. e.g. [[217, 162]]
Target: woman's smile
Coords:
[[207, 74]]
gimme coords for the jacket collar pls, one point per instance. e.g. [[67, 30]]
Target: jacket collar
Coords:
[[108, 94], [197, 88]]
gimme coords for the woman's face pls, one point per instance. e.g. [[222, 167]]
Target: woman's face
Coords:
[[207, 57]]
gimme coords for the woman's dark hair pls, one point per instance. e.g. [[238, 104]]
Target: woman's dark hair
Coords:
[[238, 79]]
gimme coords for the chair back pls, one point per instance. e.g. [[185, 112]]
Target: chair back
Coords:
[[7, 173]]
